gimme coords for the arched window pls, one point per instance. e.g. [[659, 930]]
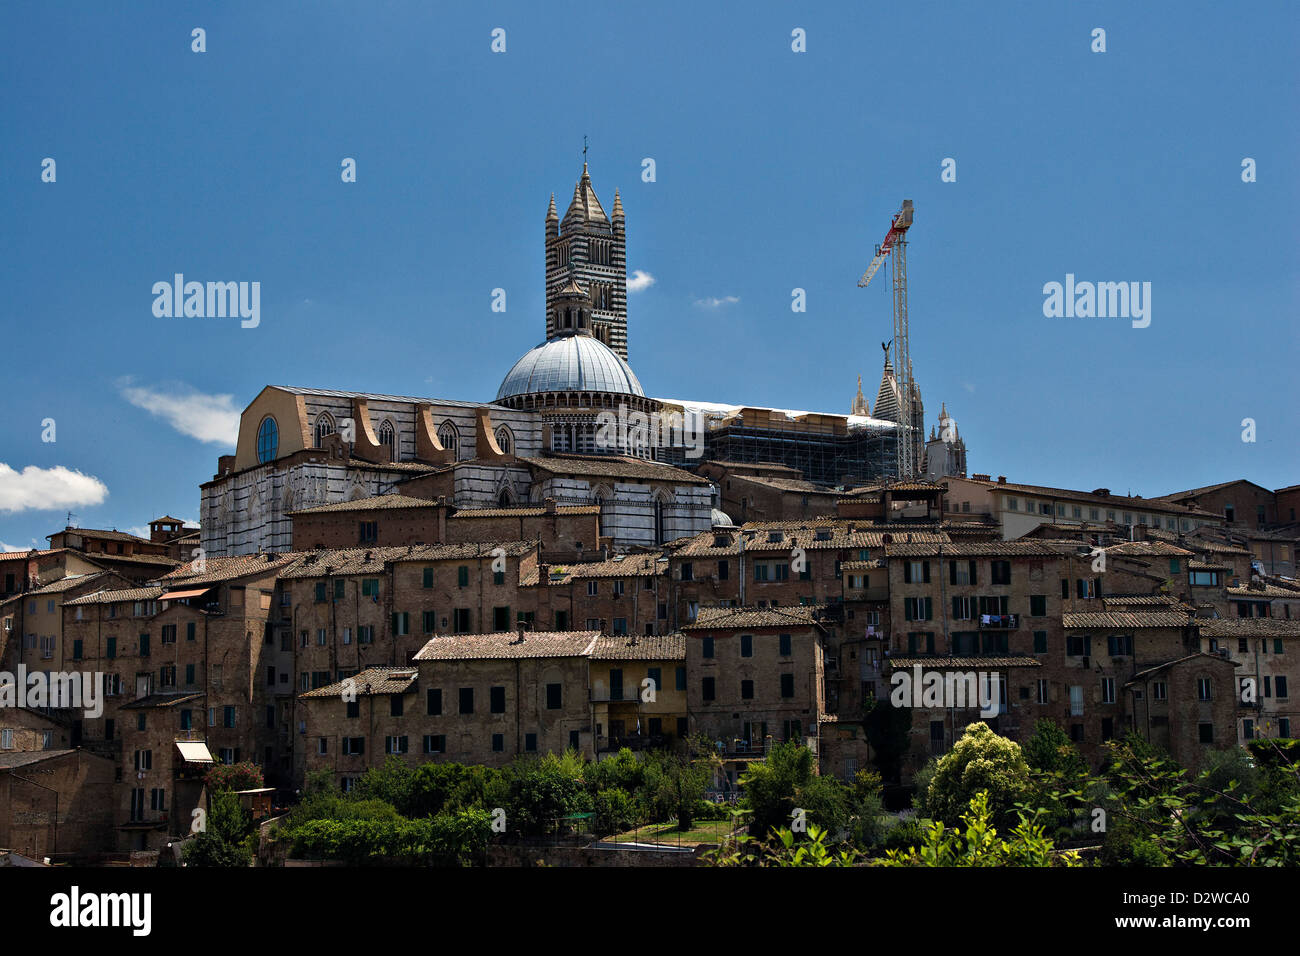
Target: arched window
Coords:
[[503, 500], [504, 441], [449, 438], [268, 439], [388, 436], [659, 520], [324, 428]]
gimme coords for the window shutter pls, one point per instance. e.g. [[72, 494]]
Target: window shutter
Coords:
[[952, 573], [925, 569], [973, 579], [1065, 588], [1078, 586], [956, 608], [907, 609], [929, 608], [907, 572]]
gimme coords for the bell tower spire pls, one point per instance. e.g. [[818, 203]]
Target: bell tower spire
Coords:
[[588, 248]]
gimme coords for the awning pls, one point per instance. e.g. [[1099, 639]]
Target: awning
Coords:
[[194, 751], [177, 595]]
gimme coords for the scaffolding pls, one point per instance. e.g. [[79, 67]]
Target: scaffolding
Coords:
[[823, 453]]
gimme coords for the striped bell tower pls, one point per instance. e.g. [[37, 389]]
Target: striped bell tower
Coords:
[[589, 248]]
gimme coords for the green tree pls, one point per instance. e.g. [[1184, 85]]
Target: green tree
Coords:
[[226, 838], [888, 729], [979, 761], [771, 785]]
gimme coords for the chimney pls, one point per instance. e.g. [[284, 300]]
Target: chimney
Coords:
[[1101, 492], [549, 506], [1002, 479], [543, 574], [520, 633], [978, 476]]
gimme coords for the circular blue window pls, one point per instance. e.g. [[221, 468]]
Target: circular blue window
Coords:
[[268, 439]]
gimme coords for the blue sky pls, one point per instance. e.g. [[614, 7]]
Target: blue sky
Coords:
[[775, 170]]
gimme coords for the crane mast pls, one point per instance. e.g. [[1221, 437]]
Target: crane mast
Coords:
[[895, 244]]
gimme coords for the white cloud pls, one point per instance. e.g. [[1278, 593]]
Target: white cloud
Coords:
[[6, 547], [640, 281], [48, 489], [209, 418], [713, 302], [140, 530]]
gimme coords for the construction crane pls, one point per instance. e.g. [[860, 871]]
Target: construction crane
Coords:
[[895, 244]]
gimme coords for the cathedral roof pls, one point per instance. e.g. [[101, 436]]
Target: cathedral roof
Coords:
[[572, 363], [585, 205]]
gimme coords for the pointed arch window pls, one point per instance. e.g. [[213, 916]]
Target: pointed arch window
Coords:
[[324, 428], [450, 438], [505, 441], [388, 437]]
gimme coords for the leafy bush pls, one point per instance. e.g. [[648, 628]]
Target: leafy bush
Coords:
[[980, 844], [979, 762], [448, 839], [235, 776]]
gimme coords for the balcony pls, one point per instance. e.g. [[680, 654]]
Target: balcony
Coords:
[[999, 622], [627, 695]]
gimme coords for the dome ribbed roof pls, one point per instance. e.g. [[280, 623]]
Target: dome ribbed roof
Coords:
[[575, 363]]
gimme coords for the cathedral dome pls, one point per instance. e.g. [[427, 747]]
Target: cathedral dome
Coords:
[[572, 363]]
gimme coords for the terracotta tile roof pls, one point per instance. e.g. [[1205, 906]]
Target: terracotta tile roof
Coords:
[[506, 646], [613, 466], [217, 570], [372, 681], [10, 760], [744, 618], [349, 561], [1207, 566], [961, 663], [620, 566], [1197, 492], [860, 565], [1116, 501], [835, 535], [896, 486], [752, 465], [1088, 619], [1250, 627], [114, 597], [105, 535], [1147, 672], [168, 518], [666, 647], [1148, 548], [374, 503], [787, 484], [1141, 600], [155, 701], [1264, 593], [972, 549], [65, 584], [341, 561], [529, 512], [31, 553], [96, 557]]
